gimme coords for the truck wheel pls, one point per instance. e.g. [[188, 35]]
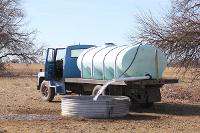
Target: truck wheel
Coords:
[[47, 93], [96, 89]]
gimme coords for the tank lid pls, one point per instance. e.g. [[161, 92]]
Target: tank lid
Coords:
[[110, 44]]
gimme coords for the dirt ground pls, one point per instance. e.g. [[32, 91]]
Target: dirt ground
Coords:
[[22, 110]]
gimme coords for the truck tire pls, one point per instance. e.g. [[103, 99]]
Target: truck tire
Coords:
[[96, 89], [47, 93]]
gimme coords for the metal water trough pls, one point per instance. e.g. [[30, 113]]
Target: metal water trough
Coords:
[[104, 107]]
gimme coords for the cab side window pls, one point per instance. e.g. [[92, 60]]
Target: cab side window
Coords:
[[50, 57], [76, 52], [60, 54]]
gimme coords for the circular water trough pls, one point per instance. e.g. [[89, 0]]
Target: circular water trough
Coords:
[[104, 107]]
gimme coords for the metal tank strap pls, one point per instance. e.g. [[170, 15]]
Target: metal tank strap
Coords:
[[156, 63]]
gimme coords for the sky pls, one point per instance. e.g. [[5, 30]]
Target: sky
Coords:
[[65, 22]]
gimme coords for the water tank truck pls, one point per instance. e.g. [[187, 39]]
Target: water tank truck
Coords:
[[133, 70]]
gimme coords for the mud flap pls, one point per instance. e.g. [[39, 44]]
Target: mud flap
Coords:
[[59, 87]]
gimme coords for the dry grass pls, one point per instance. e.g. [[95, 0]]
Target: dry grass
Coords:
[[182, 74], [19, 96], [23, 69], [185, 91]]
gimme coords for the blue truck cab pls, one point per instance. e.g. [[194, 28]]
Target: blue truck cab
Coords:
[[60, 63]]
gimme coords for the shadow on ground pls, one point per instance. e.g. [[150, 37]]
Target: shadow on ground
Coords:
[[138, 117], [57, 101], [170, 109]]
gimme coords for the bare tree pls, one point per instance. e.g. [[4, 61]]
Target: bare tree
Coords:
[[177, 34], [15, 42]]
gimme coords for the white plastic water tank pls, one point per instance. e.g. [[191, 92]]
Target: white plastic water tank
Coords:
[[111, 68], [99, 62], [85, 64], [121, 61]]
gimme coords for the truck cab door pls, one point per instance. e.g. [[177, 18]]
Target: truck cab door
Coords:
[[71, 68], [50, 64]]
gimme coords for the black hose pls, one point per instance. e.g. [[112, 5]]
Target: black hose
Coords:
[[131, 61]]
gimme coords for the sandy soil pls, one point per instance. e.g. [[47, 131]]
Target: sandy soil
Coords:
[[21, 110]]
